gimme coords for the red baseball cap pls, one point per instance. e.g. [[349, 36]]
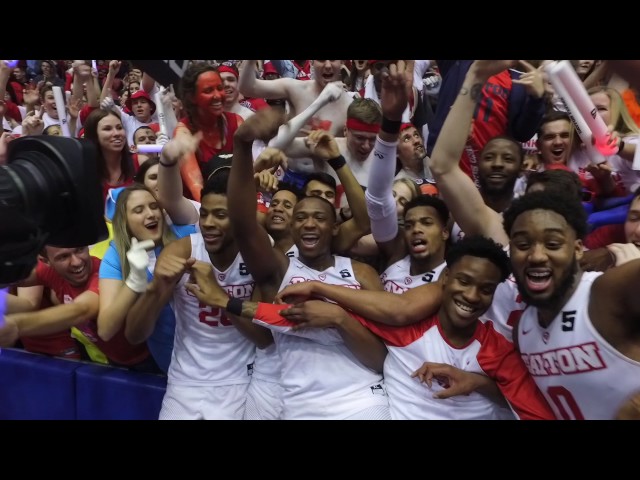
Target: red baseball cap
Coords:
[[269, 68], [141, 94]]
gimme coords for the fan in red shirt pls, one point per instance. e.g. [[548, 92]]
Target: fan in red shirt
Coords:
[[203, 96], [72, 274]]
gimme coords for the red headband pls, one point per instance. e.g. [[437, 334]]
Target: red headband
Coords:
[[224, 68], [354, 124], [404, 126]]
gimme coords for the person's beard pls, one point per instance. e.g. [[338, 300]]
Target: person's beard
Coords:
[[558, 295], [506, 190]]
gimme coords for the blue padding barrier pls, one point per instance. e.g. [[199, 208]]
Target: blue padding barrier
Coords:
[[38, 387], [614, 202], [107, 393], [612, 216], [35, 387], [611, 211]]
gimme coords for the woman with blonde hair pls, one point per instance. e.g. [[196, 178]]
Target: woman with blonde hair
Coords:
[[140, 231], [615, 114], [619, 115], [404, 190]]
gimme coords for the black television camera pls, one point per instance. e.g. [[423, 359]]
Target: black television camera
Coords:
[[49, 194]]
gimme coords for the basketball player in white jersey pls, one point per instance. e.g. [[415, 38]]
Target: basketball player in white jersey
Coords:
[[416, 303], [465, 204], [579, 335], [325, 148], [458, 191], [213, 352], [350, 381], [416, 254], [264, 395], [454, 335], [406, 349]]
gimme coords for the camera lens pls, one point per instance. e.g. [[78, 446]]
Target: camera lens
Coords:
[[49, 191]]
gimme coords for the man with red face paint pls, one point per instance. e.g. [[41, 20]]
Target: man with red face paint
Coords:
[[202, 93]]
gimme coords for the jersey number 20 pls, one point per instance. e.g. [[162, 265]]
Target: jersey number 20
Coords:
[[214, 317]]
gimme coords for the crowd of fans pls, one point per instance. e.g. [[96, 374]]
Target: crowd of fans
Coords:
[[491, 263]]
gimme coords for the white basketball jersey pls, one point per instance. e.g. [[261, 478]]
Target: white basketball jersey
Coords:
[[324, 381], [397, 277], [580, 374], [267, 366], [208, 349], [409, 347], [293, 251], [506, 308]]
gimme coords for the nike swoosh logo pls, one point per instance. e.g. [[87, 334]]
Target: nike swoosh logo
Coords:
[[527, 331]]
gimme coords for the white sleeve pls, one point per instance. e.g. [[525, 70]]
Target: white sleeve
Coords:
[[381, 206], [420, 67], [155, 89], [257, 147]]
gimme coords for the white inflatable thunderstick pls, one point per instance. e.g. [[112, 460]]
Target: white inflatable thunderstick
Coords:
[[62, 110], [563, 72], [162, 119], [583, 130], [288, 131]]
